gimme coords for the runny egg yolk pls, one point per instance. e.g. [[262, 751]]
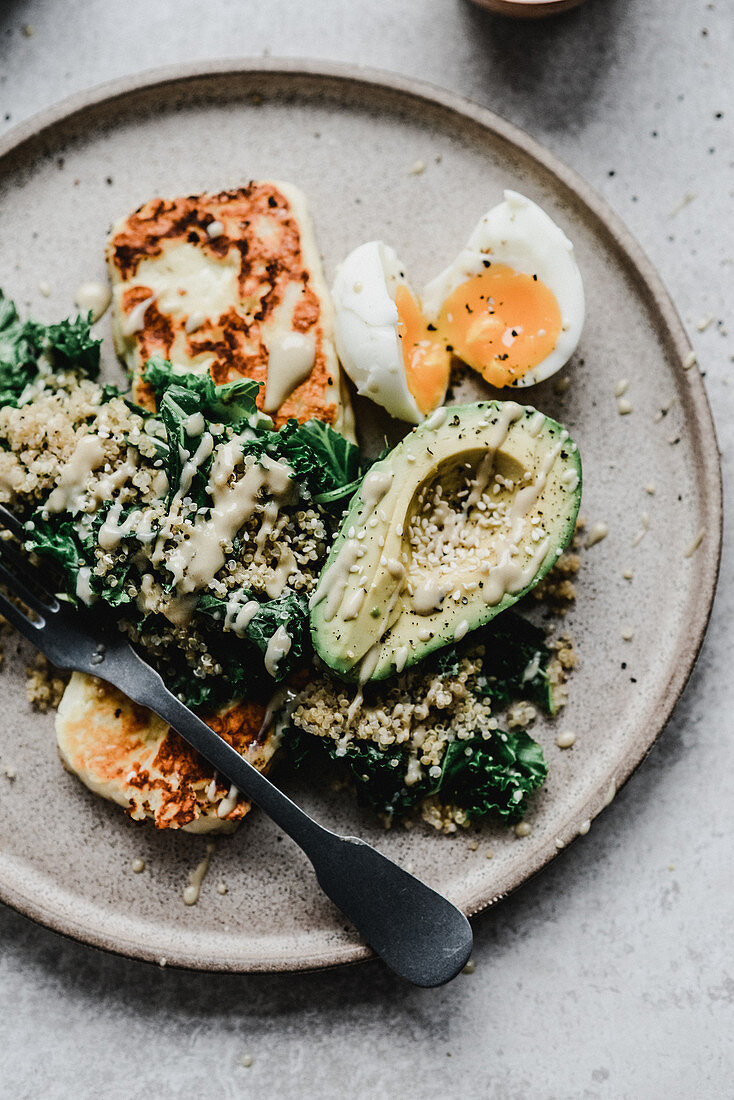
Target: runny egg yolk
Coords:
[[425, 358], [501, 323]]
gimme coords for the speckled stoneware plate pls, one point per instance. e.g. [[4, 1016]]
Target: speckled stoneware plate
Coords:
[[351, 140]]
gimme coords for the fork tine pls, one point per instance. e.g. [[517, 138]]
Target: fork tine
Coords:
[[32, 631], [25, 574], [11, 522]]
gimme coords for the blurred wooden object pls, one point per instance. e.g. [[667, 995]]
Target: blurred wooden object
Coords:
[[528, 9]]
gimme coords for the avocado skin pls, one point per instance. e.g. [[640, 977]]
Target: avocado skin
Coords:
[[448, 438]]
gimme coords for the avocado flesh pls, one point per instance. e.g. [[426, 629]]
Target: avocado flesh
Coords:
[[455, 525]]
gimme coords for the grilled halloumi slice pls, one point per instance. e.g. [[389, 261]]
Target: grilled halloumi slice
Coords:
[[231, 284], [125, 753]]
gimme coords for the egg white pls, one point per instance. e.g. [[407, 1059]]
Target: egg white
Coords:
[[366, 328], [519, 234]]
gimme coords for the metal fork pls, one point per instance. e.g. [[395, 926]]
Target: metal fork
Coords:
[[417, 932]]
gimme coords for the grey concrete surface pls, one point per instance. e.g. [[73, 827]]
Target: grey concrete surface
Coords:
[[611, 974]]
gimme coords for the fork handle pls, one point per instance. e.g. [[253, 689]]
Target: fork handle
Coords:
[[419, 934]]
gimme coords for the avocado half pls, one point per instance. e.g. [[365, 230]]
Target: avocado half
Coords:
[[457, 523]]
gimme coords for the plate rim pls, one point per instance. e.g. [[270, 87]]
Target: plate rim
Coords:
[[673, 335]]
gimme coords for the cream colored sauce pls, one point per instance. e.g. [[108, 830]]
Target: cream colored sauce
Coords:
[[291, 354], [228, 804], [83, 586], [87, 457], [401, 657], [277, 648], [428, 596], [333, 583], [94, 298], [355, 706], [195, 424], [375, 485], [194, 563], [414, 772], [597, 533], [184, 274], [565, 739], [694, 545], [196, 877], [134, 321], [437, 418], [645, 528], [107, 484], [238, 615]]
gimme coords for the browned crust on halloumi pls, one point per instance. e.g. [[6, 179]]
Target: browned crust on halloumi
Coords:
[[127, 754], [264, 234]]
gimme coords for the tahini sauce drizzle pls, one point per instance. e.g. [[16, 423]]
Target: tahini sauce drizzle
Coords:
[[93, 297], [291, 354]]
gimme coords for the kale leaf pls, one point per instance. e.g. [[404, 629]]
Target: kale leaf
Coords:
[[20, 347], [328, 462], [491, 772], [68, 344], [232, 404], [289, 610], [515, 664], [481, 775], [72, 347]]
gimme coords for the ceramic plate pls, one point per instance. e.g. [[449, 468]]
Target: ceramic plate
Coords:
[[353, 142]]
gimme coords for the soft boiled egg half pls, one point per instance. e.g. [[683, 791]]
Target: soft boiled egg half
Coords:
[[511, 304], [382, 338]]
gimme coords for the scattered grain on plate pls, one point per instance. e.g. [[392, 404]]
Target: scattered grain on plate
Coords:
[[628, 574], [584, 827], [565, 739], [10, 773], [628, 634], [690, 360], [562, 385], [138, 866], [596, 533], [694, 545], [163, 962], [246, 1060], [611, 792], [221, 888], [523, 829], [650, 488], [417, 168], [704, 323], [473, 845], [682, 203], [470, 967], [621, 387], [489, 855], [44, 288], [44, 684], [28, 30], [624, 407], [560, 843]]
